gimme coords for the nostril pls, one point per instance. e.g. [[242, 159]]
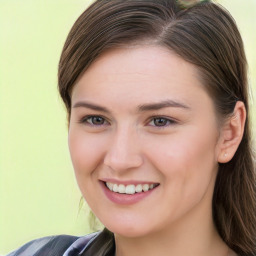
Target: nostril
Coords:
[[123, 162]]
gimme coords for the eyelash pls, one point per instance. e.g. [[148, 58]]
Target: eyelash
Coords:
[[166, 121], [85, 120]]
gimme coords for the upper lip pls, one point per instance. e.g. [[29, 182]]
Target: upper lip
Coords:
[[128, 182]]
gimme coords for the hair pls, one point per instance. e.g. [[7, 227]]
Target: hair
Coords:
[[203, 34]]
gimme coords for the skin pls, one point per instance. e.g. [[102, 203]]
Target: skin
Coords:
[[128, 144]]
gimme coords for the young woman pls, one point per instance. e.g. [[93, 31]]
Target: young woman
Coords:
[[159, 134]]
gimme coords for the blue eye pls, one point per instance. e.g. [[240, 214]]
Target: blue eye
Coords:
[[161, 122], [94, 120]]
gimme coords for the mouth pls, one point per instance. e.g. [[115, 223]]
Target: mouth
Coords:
[[130, 189]]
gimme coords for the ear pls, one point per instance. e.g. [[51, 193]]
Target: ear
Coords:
[[231, 133]]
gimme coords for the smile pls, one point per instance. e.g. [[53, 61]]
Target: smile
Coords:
[[131, 188]]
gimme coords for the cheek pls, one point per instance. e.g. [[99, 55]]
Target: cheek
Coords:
[[86, 151], [186, 158]]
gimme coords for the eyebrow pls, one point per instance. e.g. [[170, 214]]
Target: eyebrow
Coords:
[[162, 104], [92, 106], [141, 108]]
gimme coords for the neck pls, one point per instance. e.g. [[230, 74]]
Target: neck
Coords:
[[194, 234], [190, 240]]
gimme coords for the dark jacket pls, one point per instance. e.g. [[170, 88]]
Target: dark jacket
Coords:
[[54, 246], [99, 243]]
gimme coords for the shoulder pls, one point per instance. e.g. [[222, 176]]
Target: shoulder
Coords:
[[53, 246]]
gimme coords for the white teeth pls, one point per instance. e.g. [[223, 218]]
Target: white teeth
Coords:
[[121, 189], [129, 189], [110, 186], [145, 187], [138, 188], [115, 188]]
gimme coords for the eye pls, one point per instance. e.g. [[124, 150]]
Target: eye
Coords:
[[161, 122], [94, 120]]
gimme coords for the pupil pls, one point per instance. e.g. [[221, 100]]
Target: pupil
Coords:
[[97, 120], [160, 121]]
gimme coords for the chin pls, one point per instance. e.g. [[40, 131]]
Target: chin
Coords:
[[130, 232], [128, 229]]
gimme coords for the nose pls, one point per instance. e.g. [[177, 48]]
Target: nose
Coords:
[[123, 152]]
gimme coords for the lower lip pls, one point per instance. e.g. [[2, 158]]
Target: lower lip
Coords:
[[125, 199]]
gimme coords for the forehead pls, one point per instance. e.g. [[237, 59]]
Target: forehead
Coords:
[[149, 60], [145, 73]]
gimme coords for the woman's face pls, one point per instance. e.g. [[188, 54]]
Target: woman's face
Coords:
[[141, 120]]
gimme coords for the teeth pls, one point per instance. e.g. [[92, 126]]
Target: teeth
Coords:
[[115, 188], [110, 186], [138, 188], [145, 187], [121, 189], [129, 189]]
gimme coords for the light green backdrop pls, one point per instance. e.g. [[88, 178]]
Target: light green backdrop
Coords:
[[38, 192]]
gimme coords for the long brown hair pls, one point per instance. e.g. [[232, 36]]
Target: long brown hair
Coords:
[[205, 35]]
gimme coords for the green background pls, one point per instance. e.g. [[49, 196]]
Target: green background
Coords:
[[38, 191]]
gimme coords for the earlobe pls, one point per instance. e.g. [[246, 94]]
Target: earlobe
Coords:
[[232, 133]]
